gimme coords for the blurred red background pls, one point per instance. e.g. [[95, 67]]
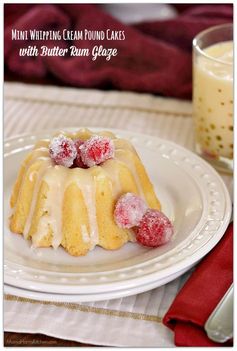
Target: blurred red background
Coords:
[[155, 57]]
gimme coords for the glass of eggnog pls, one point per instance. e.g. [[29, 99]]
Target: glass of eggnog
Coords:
[[213, 95]]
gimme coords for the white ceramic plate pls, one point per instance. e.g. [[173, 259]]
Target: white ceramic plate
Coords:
[[193, 196], [38, 295]]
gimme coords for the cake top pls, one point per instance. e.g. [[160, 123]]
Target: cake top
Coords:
[[69, 152]]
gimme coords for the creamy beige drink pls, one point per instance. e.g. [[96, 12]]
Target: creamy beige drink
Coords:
[[213, 100]]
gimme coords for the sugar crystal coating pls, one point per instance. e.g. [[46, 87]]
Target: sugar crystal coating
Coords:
[[62, 150], [155, 229], [129, 210], [96, 150]]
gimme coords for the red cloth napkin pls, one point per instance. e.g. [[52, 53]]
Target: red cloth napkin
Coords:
[[154, 58], [200, 295]]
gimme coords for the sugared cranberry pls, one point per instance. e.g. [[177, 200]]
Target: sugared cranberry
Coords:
[[96, 150], [155, 229], [78, 161], [62, 150], [129, 210]]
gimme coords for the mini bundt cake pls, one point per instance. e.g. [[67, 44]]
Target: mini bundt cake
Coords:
[[72, 203]]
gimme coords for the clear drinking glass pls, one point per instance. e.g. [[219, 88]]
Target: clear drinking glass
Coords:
[[213, 95]]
